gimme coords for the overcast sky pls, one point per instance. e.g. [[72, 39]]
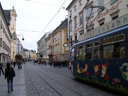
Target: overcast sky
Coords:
[[33, 17]]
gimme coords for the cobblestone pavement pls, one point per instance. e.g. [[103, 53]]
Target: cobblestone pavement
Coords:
[[44, 80]]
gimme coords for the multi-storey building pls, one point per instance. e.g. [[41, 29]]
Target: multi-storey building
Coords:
[[41, 45], [88, 18], [25, 54], [48, 47], [33, 55], [11, 20], [5, 38], [58, 38], [19, 47], [42, 49]]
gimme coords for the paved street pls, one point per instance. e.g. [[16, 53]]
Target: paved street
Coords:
[[41, 80], [19, 84]]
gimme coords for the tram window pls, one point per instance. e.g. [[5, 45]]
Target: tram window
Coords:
[[115, 48], [96, 50], [112, 39], [80, 53], [84, 53], [89, 51], [72, 54]]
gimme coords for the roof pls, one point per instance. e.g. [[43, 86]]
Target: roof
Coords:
[[5, 19], [25, 49], [70, 4], [7, 16], [64, 24]]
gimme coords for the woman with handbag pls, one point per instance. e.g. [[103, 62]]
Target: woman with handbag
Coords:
[[9, 74]]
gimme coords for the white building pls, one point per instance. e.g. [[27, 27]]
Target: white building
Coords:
[[86, 18], [5, 39]]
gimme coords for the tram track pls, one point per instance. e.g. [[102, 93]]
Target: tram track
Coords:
[[59, 73], [39, 74], [30, 79]]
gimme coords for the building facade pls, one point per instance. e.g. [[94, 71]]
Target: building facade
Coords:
[[85, 18], [33, 55], [11, 20], [58, 38], [25, 54], [42, 47], [5, 38]]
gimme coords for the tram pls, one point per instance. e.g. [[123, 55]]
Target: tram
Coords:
[[103, 59]]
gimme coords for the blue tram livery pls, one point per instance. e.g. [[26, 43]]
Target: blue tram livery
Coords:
[[103, 59]]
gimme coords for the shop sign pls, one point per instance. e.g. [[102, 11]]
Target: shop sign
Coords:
[[121, 21]]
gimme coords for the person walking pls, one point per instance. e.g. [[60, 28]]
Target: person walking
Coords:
[[1, 69], [9, 74]]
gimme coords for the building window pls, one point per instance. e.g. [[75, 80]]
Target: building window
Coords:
[[101, 3], [80, 3], [75, 38], [81, 32], [0, 42], [70, 14], [112, 1], [66, 35], [70, 25], [101, 22], [75, 22], [1, 26], [114, 15], [89, 13], [81, 18], [74, 8]]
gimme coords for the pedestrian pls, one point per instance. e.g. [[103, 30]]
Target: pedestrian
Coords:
[[9, 74], [1, 69]]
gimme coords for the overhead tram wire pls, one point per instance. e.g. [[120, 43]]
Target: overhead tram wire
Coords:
[[49, 22], [28, 30], [43, 3], [58, 12]]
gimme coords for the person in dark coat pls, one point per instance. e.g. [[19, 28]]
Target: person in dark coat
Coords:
[[9, 74], [1, 69]]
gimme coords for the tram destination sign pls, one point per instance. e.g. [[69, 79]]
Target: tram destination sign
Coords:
[[121, 21]]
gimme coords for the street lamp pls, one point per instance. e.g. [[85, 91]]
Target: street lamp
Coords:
[[18, 35]]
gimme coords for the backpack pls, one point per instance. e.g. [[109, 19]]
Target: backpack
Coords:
[[12, 73]]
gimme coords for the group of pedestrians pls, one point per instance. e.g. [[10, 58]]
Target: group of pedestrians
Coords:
[[9, 73], [59, 64]]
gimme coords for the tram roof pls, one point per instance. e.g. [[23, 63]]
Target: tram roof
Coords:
[[104, 34]]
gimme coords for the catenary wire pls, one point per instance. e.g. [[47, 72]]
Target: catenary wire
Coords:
[[43, 3], [50, 21]]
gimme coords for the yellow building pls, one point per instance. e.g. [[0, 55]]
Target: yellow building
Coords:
[[58, 38], [13, 32], [33, 55]]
